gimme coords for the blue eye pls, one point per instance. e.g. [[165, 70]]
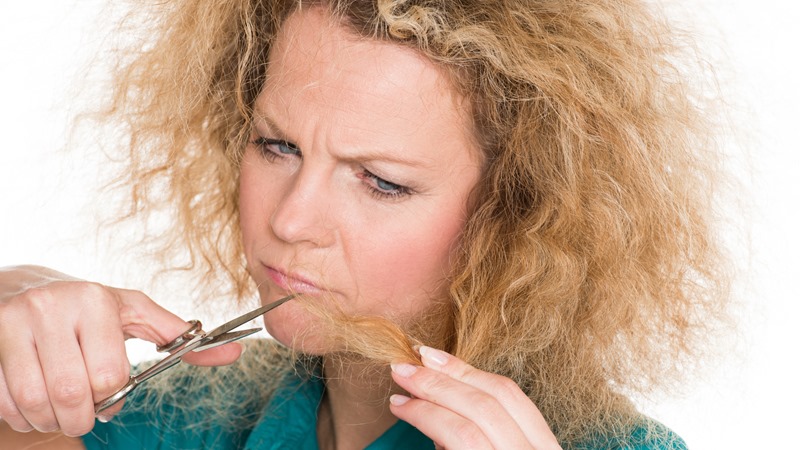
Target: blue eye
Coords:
[[276, 148], [383, 189], [385, 185], [287, 148]]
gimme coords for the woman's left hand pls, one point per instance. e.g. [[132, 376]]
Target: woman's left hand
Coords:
[[459, 406]]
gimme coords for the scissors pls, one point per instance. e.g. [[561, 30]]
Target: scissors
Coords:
[[193, 339]]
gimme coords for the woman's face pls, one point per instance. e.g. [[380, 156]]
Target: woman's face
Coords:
[[356, 178]]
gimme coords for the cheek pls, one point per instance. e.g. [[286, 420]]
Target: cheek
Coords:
[[247, 198], [405, 270], [255, 205]]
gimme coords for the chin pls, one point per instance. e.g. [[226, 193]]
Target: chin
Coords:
[[297, 329]]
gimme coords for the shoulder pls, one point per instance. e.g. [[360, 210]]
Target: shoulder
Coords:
[[653, 435], [644, 434]]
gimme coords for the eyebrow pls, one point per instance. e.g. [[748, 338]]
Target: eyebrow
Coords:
[[360, 156], [272, 127], [382, 156]]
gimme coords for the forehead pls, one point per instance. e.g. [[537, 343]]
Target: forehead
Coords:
[[315, 60]]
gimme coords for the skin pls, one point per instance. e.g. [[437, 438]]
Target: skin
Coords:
[[351, 111], [62, 348], [362, 207]]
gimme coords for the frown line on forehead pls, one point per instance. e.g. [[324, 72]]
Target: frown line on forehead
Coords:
[[351, 152]]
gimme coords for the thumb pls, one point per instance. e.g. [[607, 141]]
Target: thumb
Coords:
[[216, 356], [145, 319]]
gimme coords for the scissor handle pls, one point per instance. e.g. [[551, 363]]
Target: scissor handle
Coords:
[[117, 396], [193, 339], [187, 336]]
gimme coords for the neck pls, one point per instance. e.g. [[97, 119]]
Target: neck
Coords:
[[355, 408]]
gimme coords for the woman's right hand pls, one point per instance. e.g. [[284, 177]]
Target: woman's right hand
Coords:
[[62, 347]]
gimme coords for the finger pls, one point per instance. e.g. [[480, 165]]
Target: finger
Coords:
[[443, 426], [507, 393], [475, 405], [25, 382], [143, 318], [102, 345], [217, 356], [8, 410], [64, 371]]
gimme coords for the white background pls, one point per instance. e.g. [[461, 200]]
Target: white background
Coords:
[[749, 400]]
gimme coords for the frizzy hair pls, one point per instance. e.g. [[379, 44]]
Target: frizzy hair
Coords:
[[588, 268]]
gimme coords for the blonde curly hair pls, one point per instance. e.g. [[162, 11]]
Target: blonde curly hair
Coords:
[[588, 268]]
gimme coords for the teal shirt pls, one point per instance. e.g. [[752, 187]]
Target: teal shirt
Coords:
[[289, 421]]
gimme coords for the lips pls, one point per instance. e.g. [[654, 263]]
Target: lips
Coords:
[[292, 282]]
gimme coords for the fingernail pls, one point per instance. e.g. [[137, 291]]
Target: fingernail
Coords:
[[436, 358], [403, 369], [103, 419], [398, 400], [244, 349]]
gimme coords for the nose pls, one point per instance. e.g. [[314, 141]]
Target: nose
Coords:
[[303, 212]]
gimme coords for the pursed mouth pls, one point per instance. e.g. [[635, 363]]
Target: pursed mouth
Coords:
[[292, 282]]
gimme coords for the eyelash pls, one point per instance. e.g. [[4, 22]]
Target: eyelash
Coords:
[[371, 180], [396, 193], [264, 145]]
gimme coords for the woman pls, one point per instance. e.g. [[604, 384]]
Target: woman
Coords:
[[504, 201]]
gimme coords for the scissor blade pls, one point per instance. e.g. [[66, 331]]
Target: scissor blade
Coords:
[[228, 326], [225, 338], [157, 368]]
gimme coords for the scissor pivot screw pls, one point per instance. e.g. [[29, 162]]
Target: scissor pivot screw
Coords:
[[186, 336]]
